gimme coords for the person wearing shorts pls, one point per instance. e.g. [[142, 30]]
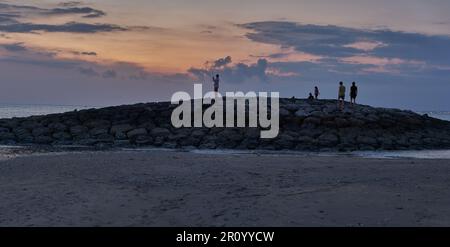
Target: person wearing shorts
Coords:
[[353, 93], [341, 95]]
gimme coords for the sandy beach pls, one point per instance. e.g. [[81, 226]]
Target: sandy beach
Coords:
[[162, 188]]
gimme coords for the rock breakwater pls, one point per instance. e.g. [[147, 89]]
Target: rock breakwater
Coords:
[[304, 126]]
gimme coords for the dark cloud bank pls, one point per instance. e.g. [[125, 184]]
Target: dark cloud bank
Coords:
[[10, 16]]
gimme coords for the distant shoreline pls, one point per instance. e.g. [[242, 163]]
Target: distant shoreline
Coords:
[[8, 152]]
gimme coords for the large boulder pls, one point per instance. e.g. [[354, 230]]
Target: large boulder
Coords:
[[41, 131], [121, 128], [160, 132], [62, 136], [57, 127], [79, 130], [136, 132], [328, 140], [98, 131], [7, 136]]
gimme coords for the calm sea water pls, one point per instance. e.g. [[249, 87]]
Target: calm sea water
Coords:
[[10, 111], [444, 115]]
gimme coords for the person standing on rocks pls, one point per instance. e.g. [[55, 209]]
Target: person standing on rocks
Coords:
[[353, 93], [316, 92], [216, 81], [341, 95]]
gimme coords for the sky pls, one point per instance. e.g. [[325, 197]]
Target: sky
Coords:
[[110, 52]]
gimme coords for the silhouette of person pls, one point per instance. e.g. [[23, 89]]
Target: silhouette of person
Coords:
[[341, 95], [316, 92], [353, 93], [216, 81], [311, 97]]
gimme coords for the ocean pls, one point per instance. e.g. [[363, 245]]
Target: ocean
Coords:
[[444, 115], [10, 110]]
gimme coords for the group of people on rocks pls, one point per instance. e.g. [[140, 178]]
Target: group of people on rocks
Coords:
[[341, 92]]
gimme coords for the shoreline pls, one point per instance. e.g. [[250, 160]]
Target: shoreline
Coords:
[[154, 188], [21, 150]]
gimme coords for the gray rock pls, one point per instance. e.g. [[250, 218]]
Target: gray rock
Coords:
[[78, 130], [98, 131], [159, 140], [208, 145], [305, 140], [41, 131], [136, 132], [43, 140], [284, 113], [121, 128], [160, 132], [312, 120], [20, 132], [105, 138], [284, 141], [302, 114], [104, 124], [249, 143], [232, 135], [62, 143], [122, 143], [58, 127], [87, 142], [144, 140], [62, 136], [170, 145], [341, 122], [366, 140], [355, 122], [121, 136], [7, 136], [318, 114], [292, 107], [328, 139], [194, 142], [30, 125], [199, 133]]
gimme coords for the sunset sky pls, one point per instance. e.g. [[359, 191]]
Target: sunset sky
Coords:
[[109, 52]]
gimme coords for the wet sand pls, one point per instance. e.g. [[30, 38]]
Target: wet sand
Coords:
[[156, 188]]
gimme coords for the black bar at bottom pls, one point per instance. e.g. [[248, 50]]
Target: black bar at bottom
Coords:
[[233, 237]]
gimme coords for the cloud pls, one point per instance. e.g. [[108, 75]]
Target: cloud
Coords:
[[70, 4], [222, 62], [86, 11], [342, 42], [71, 27], [85, 53], [237, 73], [88, 71], [69, 8], [20, 54], [15, 47], [109, 74], [12, 19]]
